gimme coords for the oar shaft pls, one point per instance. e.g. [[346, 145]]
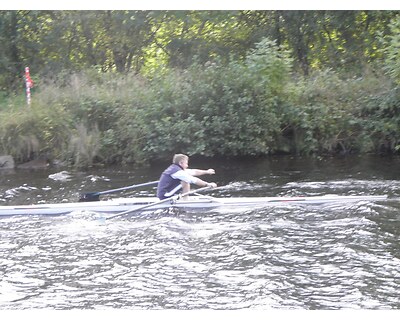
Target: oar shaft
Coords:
[[155, 203], [94, 196], [127, 188]]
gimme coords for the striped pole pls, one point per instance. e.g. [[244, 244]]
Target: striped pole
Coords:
[[28, 85]]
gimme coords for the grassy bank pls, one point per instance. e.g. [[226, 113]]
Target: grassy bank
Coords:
[[250, 108]]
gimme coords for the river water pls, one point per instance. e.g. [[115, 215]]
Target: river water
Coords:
[[345, 256]]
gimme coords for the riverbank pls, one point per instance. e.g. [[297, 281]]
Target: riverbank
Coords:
[[214, 111]]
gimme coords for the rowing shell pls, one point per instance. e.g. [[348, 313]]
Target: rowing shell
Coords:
[[199, 202]]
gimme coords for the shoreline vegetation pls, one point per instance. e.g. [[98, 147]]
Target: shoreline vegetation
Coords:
[[258, 105]]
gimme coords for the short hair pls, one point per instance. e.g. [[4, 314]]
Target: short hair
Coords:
[[179, 157]]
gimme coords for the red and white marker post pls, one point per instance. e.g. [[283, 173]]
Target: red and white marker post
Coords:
[[28, 85]]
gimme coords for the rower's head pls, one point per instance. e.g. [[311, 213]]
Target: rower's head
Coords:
[[181, 160]]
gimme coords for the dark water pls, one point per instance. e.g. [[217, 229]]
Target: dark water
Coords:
[[289, 257]]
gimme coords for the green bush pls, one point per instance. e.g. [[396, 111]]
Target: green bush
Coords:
[[380, 118], [251, 107], [216, 109], [327, 114]]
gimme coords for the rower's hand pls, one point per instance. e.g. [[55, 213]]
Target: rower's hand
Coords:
[[212, 185], [210, 171]]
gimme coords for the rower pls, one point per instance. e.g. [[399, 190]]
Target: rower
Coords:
[[177, 177]]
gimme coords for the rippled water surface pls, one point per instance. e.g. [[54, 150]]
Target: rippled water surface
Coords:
[[344, 256]]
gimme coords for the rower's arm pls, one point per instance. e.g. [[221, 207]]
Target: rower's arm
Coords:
[[188, 176], [199, 182], [200, 172]]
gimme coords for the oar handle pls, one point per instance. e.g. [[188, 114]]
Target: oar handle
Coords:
[[157, 202]]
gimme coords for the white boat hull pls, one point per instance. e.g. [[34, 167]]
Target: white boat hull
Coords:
[[115, 206]]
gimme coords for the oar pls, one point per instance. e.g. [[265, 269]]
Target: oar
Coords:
[[94, 196], [156, 203], [210, 197]]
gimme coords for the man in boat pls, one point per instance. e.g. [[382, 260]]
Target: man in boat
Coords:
[[177, 177]]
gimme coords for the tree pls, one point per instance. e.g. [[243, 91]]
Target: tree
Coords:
[[392, 50], [57, 42], [10, 56]]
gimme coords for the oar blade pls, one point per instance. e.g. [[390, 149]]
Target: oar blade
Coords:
[[89, 196]]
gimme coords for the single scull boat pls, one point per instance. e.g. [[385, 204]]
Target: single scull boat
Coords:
[[119, 205]]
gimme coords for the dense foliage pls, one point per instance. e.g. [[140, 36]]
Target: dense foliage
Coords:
[[132, 86], [54, 42]]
